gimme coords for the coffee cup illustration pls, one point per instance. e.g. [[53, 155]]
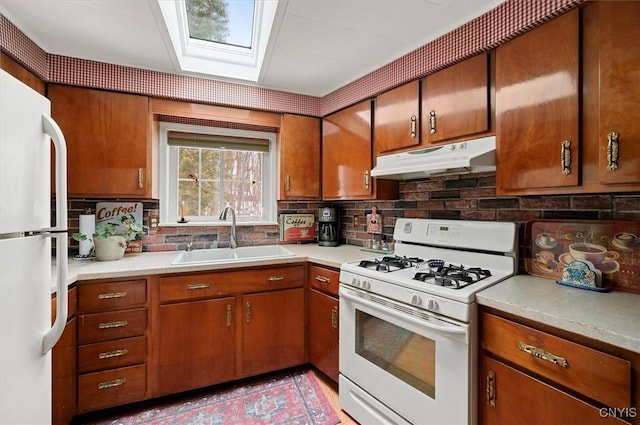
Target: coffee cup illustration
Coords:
[[592, 252], [625, 239]]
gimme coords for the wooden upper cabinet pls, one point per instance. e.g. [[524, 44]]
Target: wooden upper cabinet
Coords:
[[455, 101], [346, 153], [619, 159], [397, 119], [299, 153], [108, 143], [537, 107], [347, 157]]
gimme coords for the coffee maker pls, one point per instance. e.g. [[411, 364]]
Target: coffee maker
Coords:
[[329, 227]]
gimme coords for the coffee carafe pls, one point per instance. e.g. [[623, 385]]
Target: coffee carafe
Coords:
[[329, 227]]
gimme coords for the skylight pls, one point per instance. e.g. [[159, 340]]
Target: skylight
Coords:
[[222, 38]]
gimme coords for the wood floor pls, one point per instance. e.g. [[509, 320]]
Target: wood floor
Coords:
[[330, 389]]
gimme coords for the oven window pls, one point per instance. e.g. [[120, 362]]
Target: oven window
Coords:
[[402, 353]]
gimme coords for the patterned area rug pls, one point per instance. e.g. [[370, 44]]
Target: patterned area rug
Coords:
[[292, 397]]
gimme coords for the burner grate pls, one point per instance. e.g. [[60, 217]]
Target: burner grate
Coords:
[[452, 276], [390, 264]]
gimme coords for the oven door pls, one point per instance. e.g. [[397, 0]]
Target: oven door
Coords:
[[396, 359]]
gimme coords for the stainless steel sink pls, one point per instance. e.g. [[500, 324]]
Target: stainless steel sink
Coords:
[[228, 255]]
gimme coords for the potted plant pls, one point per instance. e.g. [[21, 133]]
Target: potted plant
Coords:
[[110, 239]]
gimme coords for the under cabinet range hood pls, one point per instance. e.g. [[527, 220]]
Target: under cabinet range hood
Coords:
[[471, 156]]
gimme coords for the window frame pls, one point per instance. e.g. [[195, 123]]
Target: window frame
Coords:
[[168, 176]]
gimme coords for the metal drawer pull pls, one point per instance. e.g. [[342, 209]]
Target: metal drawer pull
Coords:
[[542, 354], [274, 278], [114, 353], [110, 325], [412, 126], [334, 317], [193, 286], [323, 279], [110, 384], [565, 157], [612, 151], [248, 312], [229, 316], [140, 178], [287, 183], [111, 295], [432, 122], [491, 389], [366, 179]]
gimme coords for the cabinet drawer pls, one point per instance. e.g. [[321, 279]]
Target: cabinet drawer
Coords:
[[595, 374], [112, 354], [100, 327], [324, 279], [112, 295], [111, 388], [210, 285]]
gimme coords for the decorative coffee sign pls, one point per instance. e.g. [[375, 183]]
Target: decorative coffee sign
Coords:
[[297, 227], [613, 247]]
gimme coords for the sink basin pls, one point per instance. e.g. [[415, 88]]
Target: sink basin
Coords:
[[228, 255]]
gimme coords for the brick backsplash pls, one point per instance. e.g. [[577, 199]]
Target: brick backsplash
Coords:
[[465, 197]]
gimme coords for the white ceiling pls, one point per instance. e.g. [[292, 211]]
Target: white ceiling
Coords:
[[316, 47]]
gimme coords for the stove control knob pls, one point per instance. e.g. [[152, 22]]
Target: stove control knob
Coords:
[[355, 282], [432, 305], [415, 299], [366, 285]]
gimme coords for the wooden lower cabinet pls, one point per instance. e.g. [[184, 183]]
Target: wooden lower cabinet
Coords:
[[509, 396], [530, 373], [323, 333], [272, 331], [196, 344], [63, 357]]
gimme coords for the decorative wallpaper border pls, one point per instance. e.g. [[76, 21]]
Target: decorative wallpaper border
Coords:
[[506, 21]]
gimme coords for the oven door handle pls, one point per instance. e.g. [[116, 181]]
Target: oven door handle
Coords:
[[453, 329]]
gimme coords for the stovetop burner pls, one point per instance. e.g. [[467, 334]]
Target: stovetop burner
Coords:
[[452, 276], [390, 264]]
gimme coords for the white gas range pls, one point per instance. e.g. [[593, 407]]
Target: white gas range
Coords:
[[408, 321]]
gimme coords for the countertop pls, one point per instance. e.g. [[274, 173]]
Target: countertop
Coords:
[[611, 317]]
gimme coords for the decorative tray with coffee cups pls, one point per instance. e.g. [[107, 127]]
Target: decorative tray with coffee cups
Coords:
[[567, 251]]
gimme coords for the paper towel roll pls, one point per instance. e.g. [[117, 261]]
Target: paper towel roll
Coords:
[[87, 227]]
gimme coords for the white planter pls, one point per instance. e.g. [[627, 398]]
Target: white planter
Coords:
[[111, 248]]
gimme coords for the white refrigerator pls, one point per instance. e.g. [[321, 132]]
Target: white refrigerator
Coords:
[[26, 263]]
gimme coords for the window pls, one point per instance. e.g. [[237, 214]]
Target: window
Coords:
[[203, 169], [220, 21]]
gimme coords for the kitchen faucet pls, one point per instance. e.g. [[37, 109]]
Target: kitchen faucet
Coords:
[[233, 243]]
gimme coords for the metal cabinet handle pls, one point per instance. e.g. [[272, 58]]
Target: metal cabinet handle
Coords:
[[334, 317], [322, 279], [111, 325], [248, 312], [229, 315], [432, 122], [113, 383], [194, 286], [366, 179], [140, 178], [491, 389], [287, 183], [413, 126], [112, 295], [274, 278], [612, 151], [565, 157], [114, 353], [542, 354]]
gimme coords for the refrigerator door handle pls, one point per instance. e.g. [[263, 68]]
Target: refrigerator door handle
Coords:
[[52, 129], [62, 305]]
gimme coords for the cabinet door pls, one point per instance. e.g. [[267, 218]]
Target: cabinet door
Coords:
[[196, 344], [508, 396], [396, 119], [299, 157], [346, 153], [108, 147], [619, 92], [537, 107], [273, 331], [323, 333], [63, 381], [455, 101]]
